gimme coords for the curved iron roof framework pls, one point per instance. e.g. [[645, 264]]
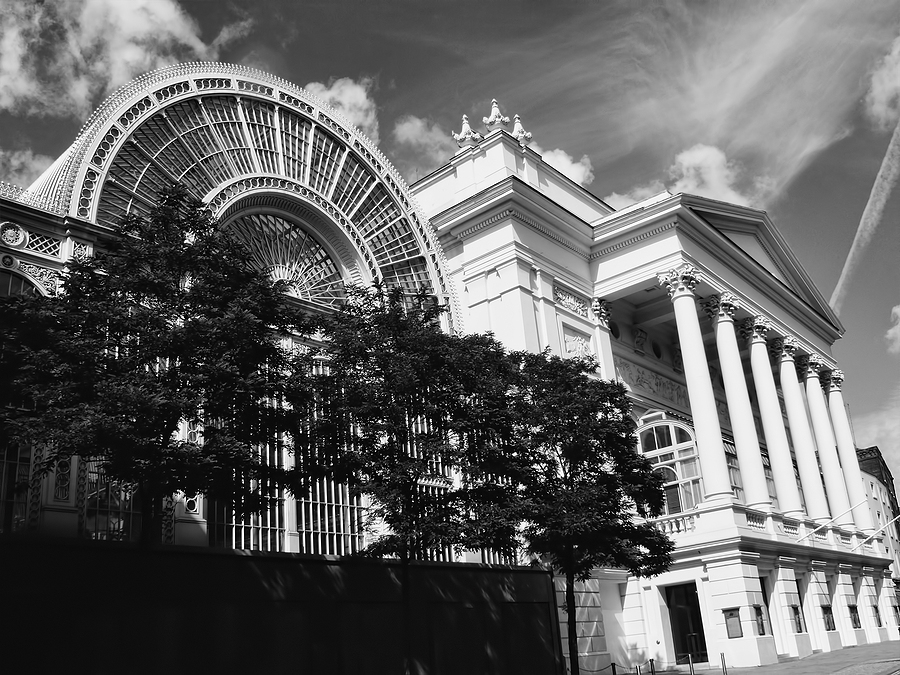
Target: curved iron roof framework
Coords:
[[246, 143]]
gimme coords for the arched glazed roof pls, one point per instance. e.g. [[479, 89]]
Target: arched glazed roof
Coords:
[[234, 136]]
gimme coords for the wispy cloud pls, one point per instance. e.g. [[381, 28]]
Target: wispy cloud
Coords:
[[701, 170], [22, 167], [353, 99], [581, 170], [60, 57], [769, 84], [883, 107]]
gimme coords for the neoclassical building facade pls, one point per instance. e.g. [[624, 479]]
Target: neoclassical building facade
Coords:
[[698, 306]]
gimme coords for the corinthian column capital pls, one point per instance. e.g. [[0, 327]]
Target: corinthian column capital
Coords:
[[835, 380], [755, 329], [784, 348], [680, 281], [811, 365], [721, 307], [600, 308]]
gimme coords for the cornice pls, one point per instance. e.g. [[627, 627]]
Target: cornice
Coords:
[[625, 243], [525, 220]]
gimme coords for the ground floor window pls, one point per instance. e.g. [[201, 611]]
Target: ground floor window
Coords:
[[798, 618], [760, 617], [112, 509], [15, 470], [828, 617], [854, 616], [877, 614]]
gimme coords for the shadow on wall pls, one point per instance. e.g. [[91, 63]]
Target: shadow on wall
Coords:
[[91, 607]]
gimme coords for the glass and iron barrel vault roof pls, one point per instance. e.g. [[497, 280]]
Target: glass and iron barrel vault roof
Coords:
[[312, 195]]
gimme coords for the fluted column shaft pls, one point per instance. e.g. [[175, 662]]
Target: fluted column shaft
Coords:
[[804, 446], [856, 487], [831, 467], [789, 502], [746, 442], [710, 449]]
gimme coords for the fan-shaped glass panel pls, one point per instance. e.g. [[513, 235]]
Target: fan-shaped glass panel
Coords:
[[290, 253]]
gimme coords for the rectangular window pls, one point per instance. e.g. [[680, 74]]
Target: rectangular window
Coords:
[[760, 619], [854, 616], [828, 617], [734, 472], [733, 623], [877, 614], [798, 618]]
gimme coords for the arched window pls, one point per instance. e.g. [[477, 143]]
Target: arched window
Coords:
[[13, 284], [671, 449]]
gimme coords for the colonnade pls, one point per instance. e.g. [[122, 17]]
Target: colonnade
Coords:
[[817, 426]]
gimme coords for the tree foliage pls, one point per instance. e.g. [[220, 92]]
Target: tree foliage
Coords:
[[171, 323], [587, 493], [413, 418]]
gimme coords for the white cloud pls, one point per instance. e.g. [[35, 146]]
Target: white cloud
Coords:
[[60, 57], [883, 97], [22, 167], [892, 337], [421, 145], [701, 170], [580, 171], [353, 100]]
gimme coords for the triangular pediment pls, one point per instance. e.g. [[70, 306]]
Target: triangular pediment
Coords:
[[753, 232]]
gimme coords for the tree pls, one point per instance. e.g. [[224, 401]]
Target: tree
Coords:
[[413, 418], [588, 492], [171, 324]]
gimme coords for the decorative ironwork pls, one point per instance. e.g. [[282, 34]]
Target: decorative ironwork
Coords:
[[41, 243], [62, 480], [290, 253]]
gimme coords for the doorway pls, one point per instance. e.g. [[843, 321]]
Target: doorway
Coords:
[[687, 626]]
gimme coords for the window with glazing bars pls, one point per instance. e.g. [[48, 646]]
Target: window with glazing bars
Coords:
[[261, 124], [354, 181], [255, 532], [326, 153], [112, 509], [294, 143], [15, 471]]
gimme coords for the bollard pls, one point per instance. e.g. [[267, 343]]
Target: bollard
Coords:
[[613, 665], [691, 663], [652, 668], [638, 670], [724, 667]]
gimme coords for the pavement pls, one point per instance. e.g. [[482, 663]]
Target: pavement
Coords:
[[877, 659]]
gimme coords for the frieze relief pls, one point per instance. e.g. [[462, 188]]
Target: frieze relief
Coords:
[[578, 344], [652, 383], [570, 301]]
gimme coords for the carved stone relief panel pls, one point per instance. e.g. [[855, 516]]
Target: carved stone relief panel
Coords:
[[576, 343]]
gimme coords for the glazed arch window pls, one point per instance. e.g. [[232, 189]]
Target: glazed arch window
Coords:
[[671, 449], [13, 284]]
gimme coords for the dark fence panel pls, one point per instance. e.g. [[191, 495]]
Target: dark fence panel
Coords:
[[76, 607]]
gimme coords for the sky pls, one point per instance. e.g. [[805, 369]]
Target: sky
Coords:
[[789, 107]]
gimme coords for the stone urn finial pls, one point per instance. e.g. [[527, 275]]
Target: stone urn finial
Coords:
[[519, 133], [496, 120], [467, 137]]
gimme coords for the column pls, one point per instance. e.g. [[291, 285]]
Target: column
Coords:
[[756, 493], [831, 467], [804, 447], [789, 501], [856, 487], [600, 310], [680, 283]]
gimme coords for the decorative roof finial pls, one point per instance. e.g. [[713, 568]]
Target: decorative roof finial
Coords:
[[466, 136], [519, 133], [496, 120]]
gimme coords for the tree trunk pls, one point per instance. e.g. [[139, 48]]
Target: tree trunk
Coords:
[[574, 668], [151, 515]]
